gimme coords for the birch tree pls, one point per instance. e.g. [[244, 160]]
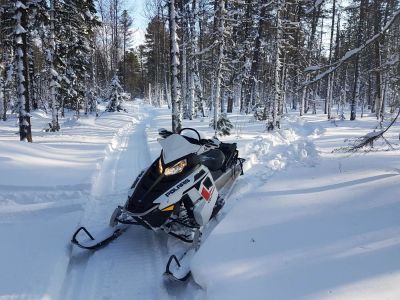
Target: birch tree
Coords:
[[278, 62], [53, 73], [176, 102]]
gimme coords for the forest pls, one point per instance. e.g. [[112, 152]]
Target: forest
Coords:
[[201, 57], [199, 149]]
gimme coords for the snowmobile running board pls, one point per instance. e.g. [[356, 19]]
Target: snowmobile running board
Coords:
[[103, 238]]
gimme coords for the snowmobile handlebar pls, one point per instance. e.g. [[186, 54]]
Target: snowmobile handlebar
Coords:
[[200, 141], [191, 129]]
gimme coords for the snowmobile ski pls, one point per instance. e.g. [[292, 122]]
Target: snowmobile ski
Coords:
[[98, 240], [179, 269]]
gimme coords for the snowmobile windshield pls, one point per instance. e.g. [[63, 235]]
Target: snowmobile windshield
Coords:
[[176, 146]]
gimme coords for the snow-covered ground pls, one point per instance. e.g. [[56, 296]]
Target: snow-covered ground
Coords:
[[301, 223], [325, 226]]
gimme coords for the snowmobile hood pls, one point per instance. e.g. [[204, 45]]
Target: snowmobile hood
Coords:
[[176, 146]]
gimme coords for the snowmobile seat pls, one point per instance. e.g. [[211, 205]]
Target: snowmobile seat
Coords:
[[213, 159], [229, 150]]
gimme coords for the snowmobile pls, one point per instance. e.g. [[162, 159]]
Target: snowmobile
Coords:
[[178, 193]]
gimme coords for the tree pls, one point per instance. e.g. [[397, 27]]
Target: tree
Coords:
[[356, 86], [155, 58], [174, 63], [115, 97], [219, 15], [126, 24], [22, 69], [53, 73]]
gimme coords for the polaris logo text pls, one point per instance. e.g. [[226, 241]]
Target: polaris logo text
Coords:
[[176, 188]]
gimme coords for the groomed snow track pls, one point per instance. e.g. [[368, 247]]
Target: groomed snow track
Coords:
[[131, 267]]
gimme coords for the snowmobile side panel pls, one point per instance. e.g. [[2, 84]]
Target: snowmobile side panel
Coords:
[[203, 209], [175, 193]]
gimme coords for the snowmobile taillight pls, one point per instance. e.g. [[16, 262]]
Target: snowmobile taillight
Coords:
[[176, 168], [169, 208]]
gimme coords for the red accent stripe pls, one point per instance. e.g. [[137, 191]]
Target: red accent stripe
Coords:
[[205, 193]]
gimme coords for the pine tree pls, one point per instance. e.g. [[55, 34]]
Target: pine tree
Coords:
[[126, 24], [115, 96]]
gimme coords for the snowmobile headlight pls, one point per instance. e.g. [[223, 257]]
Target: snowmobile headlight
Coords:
[[176, 168]]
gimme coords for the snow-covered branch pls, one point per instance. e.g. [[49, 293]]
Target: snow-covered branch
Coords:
[[366, 142], [349, 54]]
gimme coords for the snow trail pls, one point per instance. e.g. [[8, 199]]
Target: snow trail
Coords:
[[131, 266]]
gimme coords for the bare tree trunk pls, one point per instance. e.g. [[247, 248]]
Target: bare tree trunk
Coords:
[[193, 58], [278, 64], [184, 78], [220, 30], [3, 108], [250, 99], [310, 45], [149, 95], [164, 66], [328, 101], [284, 86], [21, 52], [175, 89], [53, 74], [246, 91], [356, 88], [377, 59]]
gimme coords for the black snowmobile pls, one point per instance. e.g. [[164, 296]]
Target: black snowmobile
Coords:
[[179, 193]]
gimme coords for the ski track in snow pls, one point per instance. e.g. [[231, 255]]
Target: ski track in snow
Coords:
[[131, 267]]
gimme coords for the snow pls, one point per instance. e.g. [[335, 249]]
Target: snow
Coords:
[[19, 4], [44, 188], [302, 223], [373, 134], [19, 29], [324, 226], [316, 4], [312, 68]]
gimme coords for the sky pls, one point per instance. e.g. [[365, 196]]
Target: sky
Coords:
[[140, 22]]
